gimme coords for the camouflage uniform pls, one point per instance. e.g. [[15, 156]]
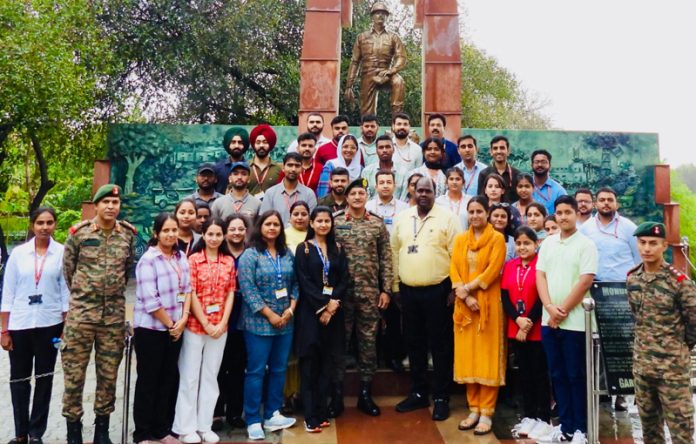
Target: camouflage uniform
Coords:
[[96, 266], [366, 242], [664, 307]]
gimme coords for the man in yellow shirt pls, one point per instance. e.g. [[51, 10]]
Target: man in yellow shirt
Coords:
[[422, 243]]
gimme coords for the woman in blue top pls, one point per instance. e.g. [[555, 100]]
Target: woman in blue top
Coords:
[[270, 292]]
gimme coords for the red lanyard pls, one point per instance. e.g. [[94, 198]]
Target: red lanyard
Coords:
[[311, 175], [38, 271], [210, 270], [255, 167], [616, 228], [520, 285], [177, 269], [471, 179], [238, 204]]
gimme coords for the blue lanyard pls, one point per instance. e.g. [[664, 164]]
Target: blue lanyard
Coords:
[[325, 262], [277, 266]]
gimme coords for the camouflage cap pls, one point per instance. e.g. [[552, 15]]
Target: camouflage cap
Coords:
[[359, 182], [651, 229], [108, 190]]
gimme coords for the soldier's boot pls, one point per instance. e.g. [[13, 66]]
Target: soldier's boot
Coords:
[[101, 430], [74, 432], [336, 405], [365, 402]]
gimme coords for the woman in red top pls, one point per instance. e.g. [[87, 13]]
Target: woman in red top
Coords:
[[213, 285], [523, 307]]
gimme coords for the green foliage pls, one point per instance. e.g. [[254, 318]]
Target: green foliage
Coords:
[[687, 173], [66, 219], [687, 211]]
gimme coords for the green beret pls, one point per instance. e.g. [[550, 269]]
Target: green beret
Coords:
[[108, 190], [235, 131], [651, 229], [360, 182]]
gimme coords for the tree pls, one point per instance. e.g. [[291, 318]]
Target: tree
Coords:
[[137, 143], [52, 63]]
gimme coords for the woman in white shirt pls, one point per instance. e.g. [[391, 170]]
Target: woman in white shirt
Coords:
[[34, 304], [454, 199]]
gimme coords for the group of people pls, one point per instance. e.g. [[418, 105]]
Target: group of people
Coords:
[[264, 275]]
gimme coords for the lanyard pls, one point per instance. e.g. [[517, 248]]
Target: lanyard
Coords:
[[325, 262], [38, 270], [616, 228], [471, 179], [390, 204], [238, 204], [287, 200], [548, 194], [260, 181], [174, 264], [277, 266], [217, 270], [416, 233], [520, 285], [311, 175]]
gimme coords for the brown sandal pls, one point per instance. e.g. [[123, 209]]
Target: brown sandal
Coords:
[[470, 422]]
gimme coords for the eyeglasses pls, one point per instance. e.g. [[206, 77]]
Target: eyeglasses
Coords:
[[500, 205]]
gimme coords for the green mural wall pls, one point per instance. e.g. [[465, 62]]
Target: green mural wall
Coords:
[[156, 164]]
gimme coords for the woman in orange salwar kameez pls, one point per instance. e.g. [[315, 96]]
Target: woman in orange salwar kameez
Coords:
[[479, 342]]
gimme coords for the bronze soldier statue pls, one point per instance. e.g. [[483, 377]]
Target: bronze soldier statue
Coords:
[[380, 55]]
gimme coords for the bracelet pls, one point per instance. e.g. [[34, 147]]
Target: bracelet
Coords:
[[4, 332]]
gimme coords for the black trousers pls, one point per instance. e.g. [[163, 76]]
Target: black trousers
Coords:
[[32, 349], [428, 326], [315, 374], [231, 376], [157, 384], [393, 343], [534, 379]]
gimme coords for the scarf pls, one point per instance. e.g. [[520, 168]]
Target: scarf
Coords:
[[354, 168], [462, 313]]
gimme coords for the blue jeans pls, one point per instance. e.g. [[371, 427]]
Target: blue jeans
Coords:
[[565, 353], [262, 352]]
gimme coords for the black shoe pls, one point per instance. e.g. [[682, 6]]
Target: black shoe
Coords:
[[441, 409], [35, 441], [217, 425], [18, 440], [620, 404], [336, 405], [396, 365], [74, 432], [414, 401], [365, 402], [236, 422], [101, 430]]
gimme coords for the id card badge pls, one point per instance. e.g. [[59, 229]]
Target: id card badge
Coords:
[[282, 293], [388, 221], [412, 249], [213, 308], [181, 298], [328, 291], [260, 195], [35, 299]]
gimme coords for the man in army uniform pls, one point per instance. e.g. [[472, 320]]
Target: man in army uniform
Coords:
[[98, 257], [663, 302], [380, 55], [366, 242]]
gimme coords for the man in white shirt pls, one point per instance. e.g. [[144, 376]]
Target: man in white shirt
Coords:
[[467, 147], [384, 204], [315, 125]]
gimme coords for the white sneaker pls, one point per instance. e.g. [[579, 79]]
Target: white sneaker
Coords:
[[555, 436], [523, 428], [191, 438], [579, 438], [278, 422], [255, 432], [210, 437], [541, 428]]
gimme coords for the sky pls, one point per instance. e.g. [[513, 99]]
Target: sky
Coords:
[[609, 65]]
